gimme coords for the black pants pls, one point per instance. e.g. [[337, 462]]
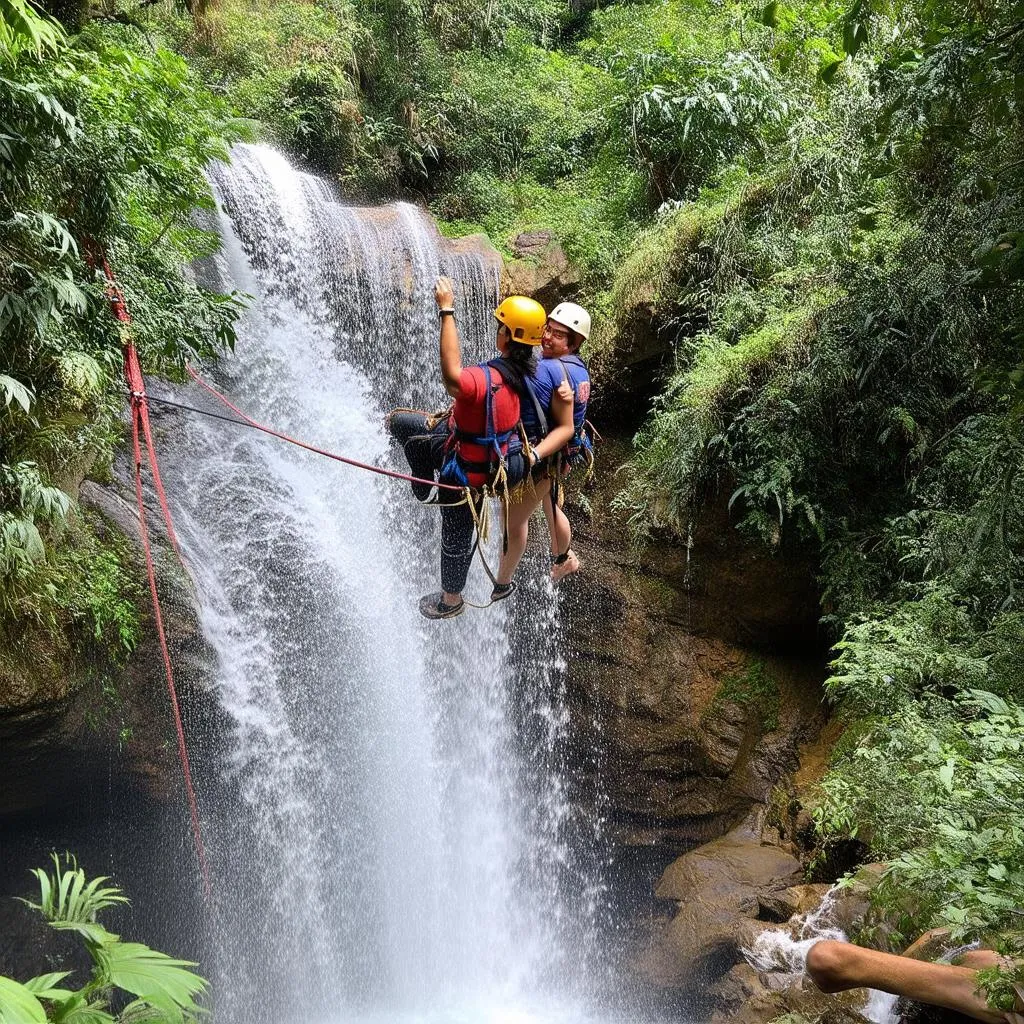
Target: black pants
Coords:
[[424, 450]]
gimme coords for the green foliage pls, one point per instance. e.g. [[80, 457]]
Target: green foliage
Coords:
[[290, 66], [98, 585], [101, 147], [844, 297], [936, 792], [1004, 984], [753, 688], [23, 27], [165, 990]]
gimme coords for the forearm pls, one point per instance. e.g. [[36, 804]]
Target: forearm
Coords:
[[559, 437], [561, 430], [451, 356], [837, 966]]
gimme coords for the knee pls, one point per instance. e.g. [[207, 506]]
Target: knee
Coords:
[[826, 963]]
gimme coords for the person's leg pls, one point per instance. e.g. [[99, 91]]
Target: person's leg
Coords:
[[456, 551], [562, 555], [517, 528], [420, 447], [559, 530], [837, 966]]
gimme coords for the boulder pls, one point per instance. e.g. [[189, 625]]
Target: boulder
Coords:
[[540, 269], [732, 871], [929, 945], [798, 899], [717, 888]]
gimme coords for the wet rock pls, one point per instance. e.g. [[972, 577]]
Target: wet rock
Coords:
[[744, 995], [540, 269], [929, 945], [73, 722], [798, 899], [718, 888], [476, 245], [729, 871]]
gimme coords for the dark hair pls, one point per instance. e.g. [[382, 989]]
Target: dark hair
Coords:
[[519, 362]]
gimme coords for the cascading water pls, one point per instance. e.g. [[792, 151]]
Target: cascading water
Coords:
[[782, 952], [388, 838]]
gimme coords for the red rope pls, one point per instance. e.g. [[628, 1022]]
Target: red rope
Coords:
[[140, 419], [140, 416], [312, 448]]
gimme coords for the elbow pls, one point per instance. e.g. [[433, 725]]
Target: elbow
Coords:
[[826, 963]]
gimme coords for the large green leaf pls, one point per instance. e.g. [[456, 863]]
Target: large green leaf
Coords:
[[91, 932], [151, 975], [22, 27], [18, 1005], [14, 391], [44, 987]]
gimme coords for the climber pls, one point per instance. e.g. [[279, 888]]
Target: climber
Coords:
[[478, 445], [838, 966], [563, 380]]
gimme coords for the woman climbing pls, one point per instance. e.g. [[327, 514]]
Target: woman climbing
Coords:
[[561, 385], [478, 446]]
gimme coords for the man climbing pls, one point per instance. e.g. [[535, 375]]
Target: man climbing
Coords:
[[563, 376], [478, 445]]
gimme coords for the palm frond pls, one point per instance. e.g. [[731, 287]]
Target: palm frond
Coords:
[[66, 899], [157, 979]]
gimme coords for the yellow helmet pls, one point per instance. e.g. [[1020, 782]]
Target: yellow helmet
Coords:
[[524, 317]]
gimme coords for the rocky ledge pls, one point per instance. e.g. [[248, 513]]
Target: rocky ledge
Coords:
[[73, 723]]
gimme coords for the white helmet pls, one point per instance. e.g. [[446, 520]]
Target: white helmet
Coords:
[[576, 318]]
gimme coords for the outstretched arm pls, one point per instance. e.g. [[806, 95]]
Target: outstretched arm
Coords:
[[451, 354], [837, 966]]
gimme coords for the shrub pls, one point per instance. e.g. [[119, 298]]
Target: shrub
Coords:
[[164, 990]]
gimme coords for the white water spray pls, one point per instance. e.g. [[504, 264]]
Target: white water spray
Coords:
[[388, 841], [783, 953]]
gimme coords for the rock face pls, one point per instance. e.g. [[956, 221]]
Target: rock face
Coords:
[[66, 718], [682, 675], [724, 897], [89, 761], [717, 889], [540, 269]]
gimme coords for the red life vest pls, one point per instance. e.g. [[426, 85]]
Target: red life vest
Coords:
[[482, 426]]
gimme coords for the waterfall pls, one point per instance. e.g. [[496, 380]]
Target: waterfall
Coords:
[[388, 832]]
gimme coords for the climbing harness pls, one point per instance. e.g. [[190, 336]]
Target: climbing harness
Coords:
[[493, 444], [579, 450]]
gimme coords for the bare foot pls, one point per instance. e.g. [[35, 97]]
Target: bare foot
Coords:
[[567, 568]]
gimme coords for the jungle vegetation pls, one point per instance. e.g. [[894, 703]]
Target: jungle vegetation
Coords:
[[813, 206], [128, 983]]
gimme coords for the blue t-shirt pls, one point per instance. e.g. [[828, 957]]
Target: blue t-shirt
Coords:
[[579, 379], [545, 380]]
